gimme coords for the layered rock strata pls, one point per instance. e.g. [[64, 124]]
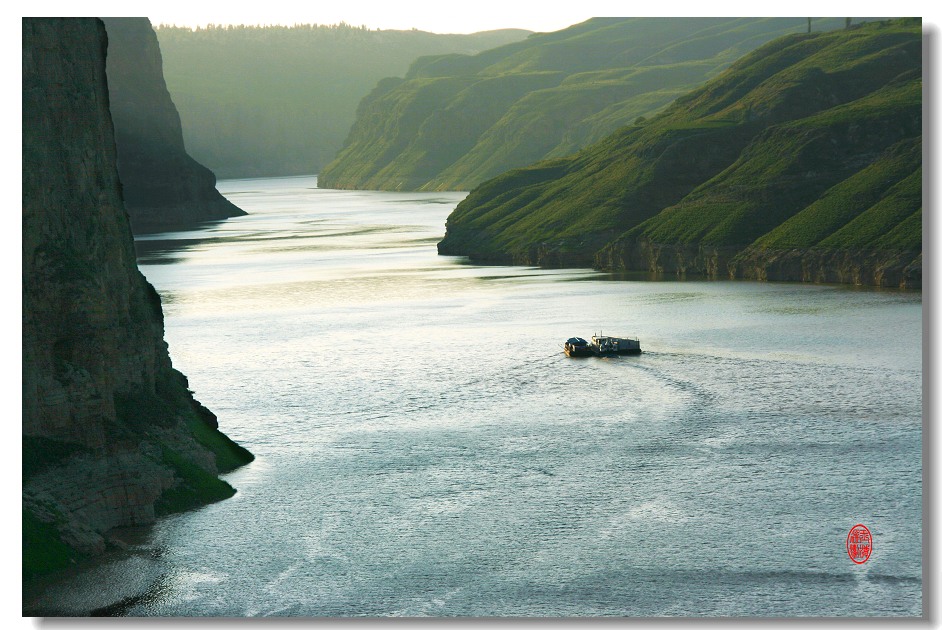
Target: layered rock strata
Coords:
[[801, 162]]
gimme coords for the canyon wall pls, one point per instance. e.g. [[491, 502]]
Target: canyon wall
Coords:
[[111, 433], [164, 188]]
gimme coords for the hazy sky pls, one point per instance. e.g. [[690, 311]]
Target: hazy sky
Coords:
[[450, 16], [441, 17]]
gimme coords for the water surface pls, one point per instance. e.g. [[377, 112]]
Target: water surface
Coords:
[[424, 447]]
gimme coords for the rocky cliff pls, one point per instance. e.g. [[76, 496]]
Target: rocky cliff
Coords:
[[111, 434], [164, 188]]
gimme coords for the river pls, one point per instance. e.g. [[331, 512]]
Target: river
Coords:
[[425, 448]]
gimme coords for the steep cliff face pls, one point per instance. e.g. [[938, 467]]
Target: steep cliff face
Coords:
[[111, 434], [164, 188]]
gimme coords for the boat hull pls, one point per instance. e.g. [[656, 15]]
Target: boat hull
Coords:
[[609, 353]]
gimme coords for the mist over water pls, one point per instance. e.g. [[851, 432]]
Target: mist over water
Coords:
[[425, 448]]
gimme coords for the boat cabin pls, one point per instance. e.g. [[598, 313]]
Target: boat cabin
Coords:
[[616, 345]]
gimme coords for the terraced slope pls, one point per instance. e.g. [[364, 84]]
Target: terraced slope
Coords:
[[456, 120], [801, 162]]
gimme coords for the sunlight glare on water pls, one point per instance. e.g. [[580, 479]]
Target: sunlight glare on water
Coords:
[[424, 447]]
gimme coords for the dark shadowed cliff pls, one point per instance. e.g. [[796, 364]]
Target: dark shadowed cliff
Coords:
[[803, 161], [111, 434], [164, 188]]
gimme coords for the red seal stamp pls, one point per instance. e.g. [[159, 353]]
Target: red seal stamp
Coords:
[[859, 544]]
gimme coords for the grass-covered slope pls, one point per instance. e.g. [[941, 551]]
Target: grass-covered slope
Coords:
[[801, 161], [457, 120], [279, 100]]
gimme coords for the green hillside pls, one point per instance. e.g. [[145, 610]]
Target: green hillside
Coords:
[[278, 100], [457, 120], [801, 161]]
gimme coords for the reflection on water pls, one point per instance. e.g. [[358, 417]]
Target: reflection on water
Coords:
[[424, 448], [156, 251]]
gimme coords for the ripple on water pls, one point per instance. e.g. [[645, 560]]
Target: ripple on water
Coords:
[[424, 448]]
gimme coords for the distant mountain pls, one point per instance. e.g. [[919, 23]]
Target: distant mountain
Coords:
[[457, 120], [164, 188], [803, 161], [278, 100]]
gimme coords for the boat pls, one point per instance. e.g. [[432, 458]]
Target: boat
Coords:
[[601, 346], [577, 347]]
